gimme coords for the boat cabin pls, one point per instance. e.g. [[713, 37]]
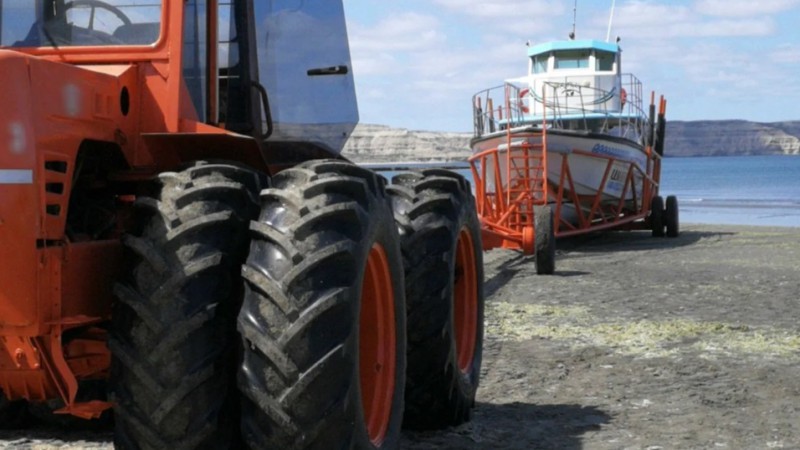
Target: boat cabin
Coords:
[[573, 78]]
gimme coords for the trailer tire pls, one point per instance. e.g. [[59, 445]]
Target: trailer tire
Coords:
[[173, 336], [443, 261], [323, 318], [671, 217], [545, 240], [657, 216]]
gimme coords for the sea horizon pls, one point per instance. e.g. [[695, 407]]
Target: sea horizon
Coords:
[[754, 190]]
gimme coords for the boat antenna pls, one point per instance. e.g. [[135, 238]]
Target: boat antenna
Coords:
[[574, 19], [610, 19]]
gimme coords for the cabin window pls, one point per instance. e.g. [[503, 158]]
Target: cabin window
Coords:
[[194, 54], [539, 64], [604, 61], [60, 23], [572, 60]]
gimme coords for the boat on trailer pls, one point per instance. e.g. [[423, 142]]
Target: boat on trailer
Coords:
[[568, 149]]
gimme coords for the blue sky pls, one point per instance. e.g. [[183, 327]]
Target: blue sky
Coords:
[[417, 63]]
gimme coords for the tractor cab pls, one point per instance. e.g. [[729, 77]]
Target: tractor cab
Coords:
[[248, 67]]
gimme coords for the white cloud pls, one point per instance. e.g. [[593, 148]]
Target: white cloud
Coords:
[[420, 68], [786, 54], [724, 28], [649, 20], [744, 8], [494, 9], [513, 19], [401, 32], [385, 47]]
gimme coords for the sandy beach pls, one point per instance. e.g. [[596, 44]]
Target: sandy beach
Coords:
[[635, 343]]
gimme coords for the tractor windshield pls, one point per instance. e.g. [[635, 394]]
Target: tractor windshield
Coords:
[[60, 23]]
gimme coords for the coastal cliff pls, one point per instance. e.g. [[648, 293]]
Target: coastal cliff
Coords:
[[732, 137], [379, 143]]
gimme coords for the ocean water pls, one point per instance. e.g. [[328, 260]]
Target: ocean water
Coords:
[[736, 190], [733, 190]]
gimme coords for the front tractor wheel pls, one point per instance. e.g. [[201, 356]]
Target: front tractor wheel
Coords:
[[173, 332], [323, 319], [442, 257]]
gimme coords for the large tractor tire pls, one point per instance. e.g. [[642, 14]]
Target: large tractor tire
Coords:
[[443, 261], [323, 319], [173, 338]]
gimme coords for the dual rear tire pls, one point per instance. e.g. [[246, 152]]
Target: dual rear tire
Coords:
[[322, 318], [172, 336], [442, 258]]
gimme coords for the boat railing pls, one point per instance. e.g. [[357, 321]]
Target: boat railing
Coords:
[[571, 104], [495, 108], [576, 106]]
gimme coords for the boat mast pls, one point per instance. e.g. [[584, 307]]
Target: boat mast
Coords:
[[610, 19], [574, 19]]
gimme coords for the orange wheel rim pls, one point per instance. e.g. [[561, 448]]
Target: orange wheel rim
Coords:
[[465, 301], [377, 345]]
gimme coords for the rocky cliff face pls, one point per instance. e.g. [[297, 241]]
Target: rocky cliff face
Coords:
[[732, 137], [378, 143]]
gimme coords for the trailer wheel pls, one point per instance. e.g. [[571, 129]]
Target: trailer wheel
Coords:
[[657, 216], [545, 240], [442, 257], [323, 319], [173, 332], [671, 216]]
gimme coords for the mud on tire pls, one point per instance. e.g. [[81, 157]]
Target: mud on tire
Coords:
[[310, 377], [442, 257], [173, 341]]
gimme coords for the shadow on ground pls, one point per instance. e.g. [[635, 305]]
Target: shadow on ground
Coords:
[[505, 272], [514, 426], [632, 241], [600, 242]]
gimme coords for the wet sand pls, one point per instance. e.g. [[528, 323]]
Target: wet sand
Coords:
[[635, 343]]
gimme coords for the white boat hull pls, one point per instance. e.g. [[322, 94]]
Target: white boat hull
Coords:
[[588, 157]]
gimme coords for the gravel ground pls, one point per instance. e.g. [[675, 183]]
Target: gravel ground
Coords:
[[641, 343], [635, 343]]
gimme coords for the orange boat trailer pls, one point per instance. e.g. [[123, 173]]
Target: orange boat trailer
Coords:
[[522, 208]]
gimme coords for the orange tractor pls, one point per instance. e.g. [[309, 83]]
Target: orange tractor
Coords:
[[182, 242]]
